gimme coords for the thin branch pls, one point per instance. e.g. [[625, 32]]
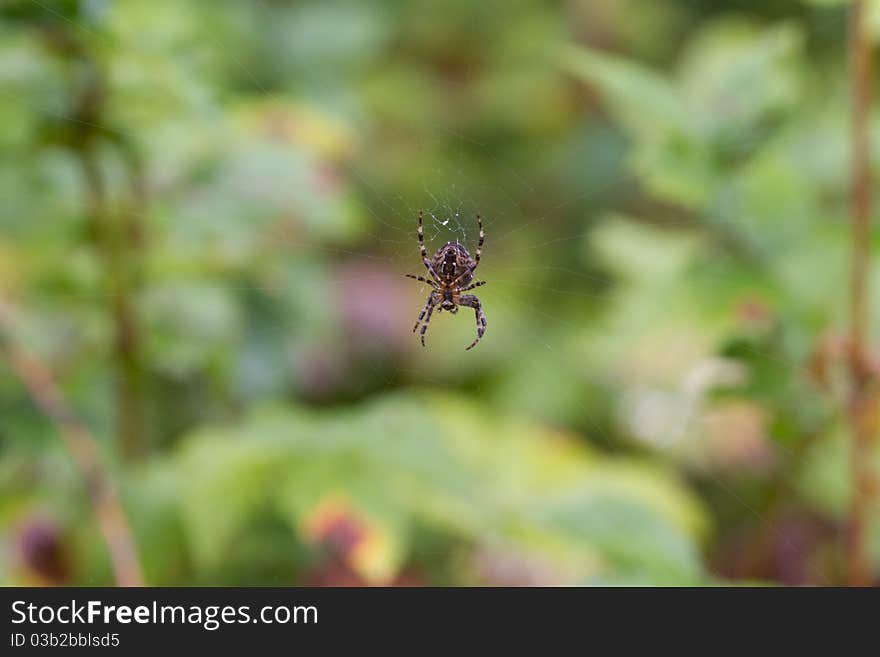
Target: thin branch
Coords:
[[863, 396], [118, 236], [116, 239], [83, 447]]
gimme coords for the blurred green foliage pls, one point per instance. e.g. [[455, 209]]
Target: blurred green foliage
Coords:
[[658, 396]]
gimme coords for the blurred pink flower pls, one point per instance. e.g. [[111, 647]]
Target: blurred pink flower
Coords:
[[375, 305]]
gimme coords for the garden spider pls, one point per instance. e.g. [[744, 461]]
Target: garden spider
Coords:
[[452, 271]]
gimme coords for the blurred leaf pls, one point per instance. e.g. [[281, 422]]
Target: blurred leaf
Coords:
[[380, 464], [646, 102]]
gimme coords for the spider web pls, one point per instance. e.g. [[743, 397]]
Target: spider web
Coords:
[[449, 215]]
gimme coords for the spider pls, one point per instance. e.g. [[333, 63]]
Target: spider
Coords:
[[452, 272]]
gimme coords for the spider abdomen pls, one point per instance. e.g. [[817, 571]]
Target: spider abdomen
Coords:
[[452, 261]]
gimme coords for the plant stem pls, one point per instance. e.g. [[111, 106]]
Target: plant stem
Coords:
[[83, 447], [117, 235], [862, 395], [113, 240]]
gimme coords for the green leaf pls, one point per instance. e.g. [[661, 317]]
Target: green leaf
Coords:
[[434, 461], [646, 102]]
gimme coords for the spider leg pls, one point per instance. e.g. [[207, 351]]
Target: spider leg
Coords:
[[425, 325], [428, 309], [423, 280], [479, 245], [473, 302], [472, 286], [423, 251]]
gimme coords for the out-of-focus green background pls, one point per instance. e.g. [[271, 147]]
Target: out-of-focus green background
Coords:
[[206, 213]]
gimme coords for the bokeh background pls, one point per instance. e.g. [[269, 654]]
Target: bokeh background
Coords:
[[208, 209]]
